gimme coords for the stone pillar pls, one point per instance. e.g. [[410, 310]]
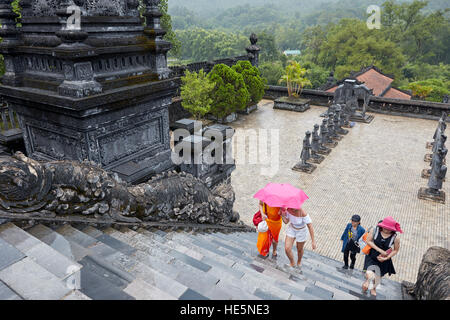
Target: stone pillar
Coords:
[[155, 33], [253, 51], [10, 40]]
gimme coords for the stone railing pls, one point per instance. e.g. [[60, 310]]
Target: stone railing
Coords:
[[407, 108], [178, 71]]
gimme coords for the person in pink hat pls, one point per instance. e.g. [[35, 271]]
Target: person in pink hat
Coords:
[[384, 244]]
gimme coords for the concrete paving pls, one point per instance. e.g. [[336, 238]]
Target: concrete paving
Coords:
[[375, 171]]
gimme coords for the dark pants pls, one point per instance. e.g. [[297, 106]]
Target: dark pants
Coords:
[[352, 257]]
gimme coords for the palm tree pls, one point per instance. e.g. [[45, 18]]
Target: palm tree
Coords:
[[295, 79]]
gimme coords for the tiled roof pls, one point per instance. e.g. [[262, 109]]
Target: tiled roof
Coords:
[[375, 80], [397, 94], [379, 83]]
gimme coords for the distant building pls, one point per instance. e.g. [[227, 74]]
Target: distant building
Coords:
[[292, 52], [374, 79]]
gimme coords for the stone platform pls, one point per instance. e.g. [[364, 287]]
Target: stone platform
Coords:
[[296, 104], [374, 172]]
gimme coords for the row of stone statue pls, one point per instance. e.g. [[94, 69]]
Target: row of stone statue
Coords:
[[436, 174], [319, 144]]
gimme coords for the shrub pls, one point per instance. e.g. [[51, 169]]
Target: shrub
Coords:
[[295, 79], [230, 93], [196, 93], [254, 83], [272, 71]]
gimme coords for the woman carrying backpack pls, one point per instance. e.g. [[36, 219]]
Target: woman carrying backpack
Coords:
[[384, 244]]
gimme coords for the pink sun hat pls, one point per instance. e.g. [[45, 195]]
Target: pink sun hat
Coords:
[[390, 224]]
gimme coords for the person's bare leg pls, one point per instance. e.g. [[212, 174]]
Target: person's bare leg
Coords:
[[365, 285], [274, 249], [300, 246], [288, 243], [373, 291]]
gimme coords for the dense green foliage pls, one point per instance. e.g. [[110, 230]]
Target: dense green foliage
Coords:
[[230, 93], [196, 92], [430, 89], [412, 44], [254, 83]]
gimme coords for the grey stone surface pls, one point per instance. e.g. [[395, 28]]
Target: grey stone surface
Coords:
[[71, 250], [76, 295], [33, 282], [41, 253], [265, 295], [317, 291], [143, 291], [192, 295], [101, 284], [9, 255], [7, 294]]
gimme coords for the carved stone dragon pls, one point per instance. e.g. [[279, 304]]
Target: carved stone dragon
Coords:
[[84, 189]]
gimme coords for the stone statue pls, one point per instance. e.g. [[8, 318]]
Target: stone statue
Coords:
[[438, 173], [69, 188], [323, 138], [332, 129], [441, 127], [326, 139], [315, 146], [338, 122], [445, 99], [330, 109], [433, 278], [437, 177], [305, 156]]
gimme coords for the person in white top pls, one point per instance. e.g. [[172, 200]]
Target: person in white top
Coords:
[[298, 220]]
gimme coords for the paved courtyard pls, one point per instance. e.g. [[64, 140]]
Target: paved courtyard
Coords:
[[375, 172]]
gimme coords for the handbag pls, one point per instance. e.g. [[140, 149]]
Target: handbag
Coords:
[[257, 217]]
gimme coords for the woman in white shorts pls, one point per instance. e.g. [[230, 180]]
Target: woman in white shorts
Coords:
[[297, 231]]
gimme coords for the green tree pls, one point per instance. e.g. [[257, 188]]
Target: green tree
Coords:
[[254, 83], [420, 91], [430, 89], [350, 45], [196, 92], [230, 93], [272, 71], [295, 78]]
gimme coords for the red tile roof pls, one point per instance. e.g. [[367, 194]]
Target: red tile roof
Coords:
[[397, 94], [375, 80], [380, 84]]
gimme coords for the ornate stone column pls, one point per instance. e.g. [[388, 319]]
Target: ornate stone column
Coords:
[[155, 33]]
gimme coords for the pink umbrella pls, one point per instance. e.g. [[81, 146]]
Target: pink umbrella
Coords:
[[282, 195]]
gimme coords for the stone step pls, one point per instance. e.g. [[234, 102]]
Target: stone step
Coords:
[[230, 282], [8, 254], [116, 264], [70, 249], [32, 282], [196, 279], [220, 271], [7, 294], [76, 295], [100, 283], [292, 290], [44, 255]]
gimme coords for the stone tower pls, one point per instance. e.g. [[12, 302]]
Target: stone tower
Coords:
[[89, 81]]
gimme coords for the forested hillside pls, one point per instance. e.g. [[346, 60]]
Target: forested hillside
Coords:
[[413, 42]]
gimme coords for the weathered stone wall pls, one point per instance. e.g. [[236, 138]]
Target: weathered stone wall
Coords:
[[397, 107]]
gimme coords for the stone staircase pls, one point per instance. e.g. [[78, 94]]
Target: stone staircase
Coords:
[[76, 263]]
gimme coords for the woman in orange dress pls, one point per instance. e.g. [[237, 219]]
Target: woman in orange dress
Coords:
[[272, 216]]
